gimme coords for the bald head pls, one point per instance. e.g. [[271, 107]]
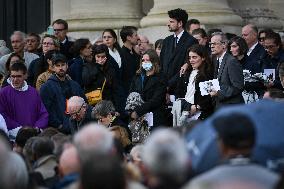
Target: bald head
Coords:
[[76, 107], [69, 161], [250, 33], [75, 101]]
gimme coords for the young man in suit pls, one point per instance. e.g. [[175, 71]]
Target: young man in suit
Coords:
[[228, 71], [174, 48]]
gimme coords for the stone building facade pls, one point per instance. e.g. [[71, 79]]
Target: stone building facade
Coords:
[[87, 18]]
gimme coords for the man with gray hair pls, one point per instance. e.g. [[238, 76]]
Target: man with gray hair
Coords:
[[228, 71], [3, 48], [166, 158], [80, 113], [143, 44], [13, 171], [18, 45], [93, 138]]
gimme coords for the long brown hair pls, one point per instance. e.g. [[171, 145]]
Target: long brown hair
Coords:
[[206, 68], [154, 58]]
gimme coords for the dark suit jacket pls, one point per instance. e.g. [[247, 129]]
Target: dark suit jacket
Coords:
[[172, 59], [153, 92], [65, 48], [231, 81], [205, 102], [75, 69], [253, 61]]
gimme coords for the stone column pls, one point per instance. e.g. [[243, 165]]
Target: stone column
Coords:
[[256, 12], [87, 18], [212, 14], [277, 7]]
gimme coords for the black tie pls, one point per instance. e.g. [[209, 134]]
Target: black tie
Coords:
[[176, 41]]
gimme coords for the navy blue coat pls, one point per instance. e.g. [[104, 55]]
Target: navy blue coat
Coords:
[[253, 62], [75, 69], [54, 98]]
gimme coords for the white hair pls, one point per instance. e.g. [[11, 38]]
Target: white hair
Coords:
[[137, 150], [13, 167], [75, 101], [93, 138], [21, 34], [165, 154]]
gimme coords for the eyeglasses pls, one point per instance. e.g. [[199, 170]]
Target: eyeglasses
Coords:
[[261, 39], [47, 43], [74, 114], [58, 30], [16, 76], [214, 44], [269, 46]]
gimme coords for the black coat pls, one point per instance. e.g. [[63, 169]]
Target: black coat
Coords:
[[36, 67], [253, 61], [93, 76], [75, 69], [153, 92], [65, 48], [73, 126], [130, 62], [172, 59], [205, 102]]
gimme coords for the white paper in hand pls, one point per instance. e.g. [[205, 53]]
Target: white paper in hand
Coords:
[[149, 119], [270, 73], [207, 86]]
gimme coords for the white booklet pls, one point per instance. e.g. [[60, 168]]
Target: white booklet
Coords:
[[270, 73], [149, 119], [207, 86]]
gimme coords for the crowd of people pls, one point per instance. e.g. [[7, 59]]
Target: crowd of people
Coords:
[[79, 115]]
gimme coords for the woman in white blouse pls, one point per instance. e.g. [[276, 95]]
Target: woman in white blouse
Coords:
[[190, 102], [110, 40]]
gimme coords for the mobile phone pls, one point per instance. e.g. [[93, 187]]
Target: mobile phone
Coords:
[[50, 30]]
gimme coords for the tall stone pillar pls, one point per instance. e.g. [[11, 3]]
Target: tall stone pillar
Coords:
[[212, 14], [87, 18], [277, 7], [256, 12]]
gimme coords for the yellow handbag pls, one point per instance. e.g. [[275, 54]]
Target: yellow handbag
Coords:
[[95, 96]]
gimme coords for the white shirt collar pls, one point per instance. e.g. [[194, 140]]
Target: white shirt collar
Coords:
[[251, 49], [24, 87], [179, 35], [221, 57], [63, 42]]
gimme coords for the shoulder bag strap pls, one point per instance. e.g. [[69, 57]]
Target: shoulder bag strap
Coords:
[[103, 86]]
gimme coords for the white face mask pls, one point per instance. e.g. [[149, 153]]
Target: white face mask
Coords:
[[147, 66]]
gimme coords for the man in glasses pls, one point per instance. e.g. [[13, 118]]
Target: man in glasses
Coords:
[[20, 104], [57, 89], [80, 113], [274, 57], [60, 28], [228, 71]]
